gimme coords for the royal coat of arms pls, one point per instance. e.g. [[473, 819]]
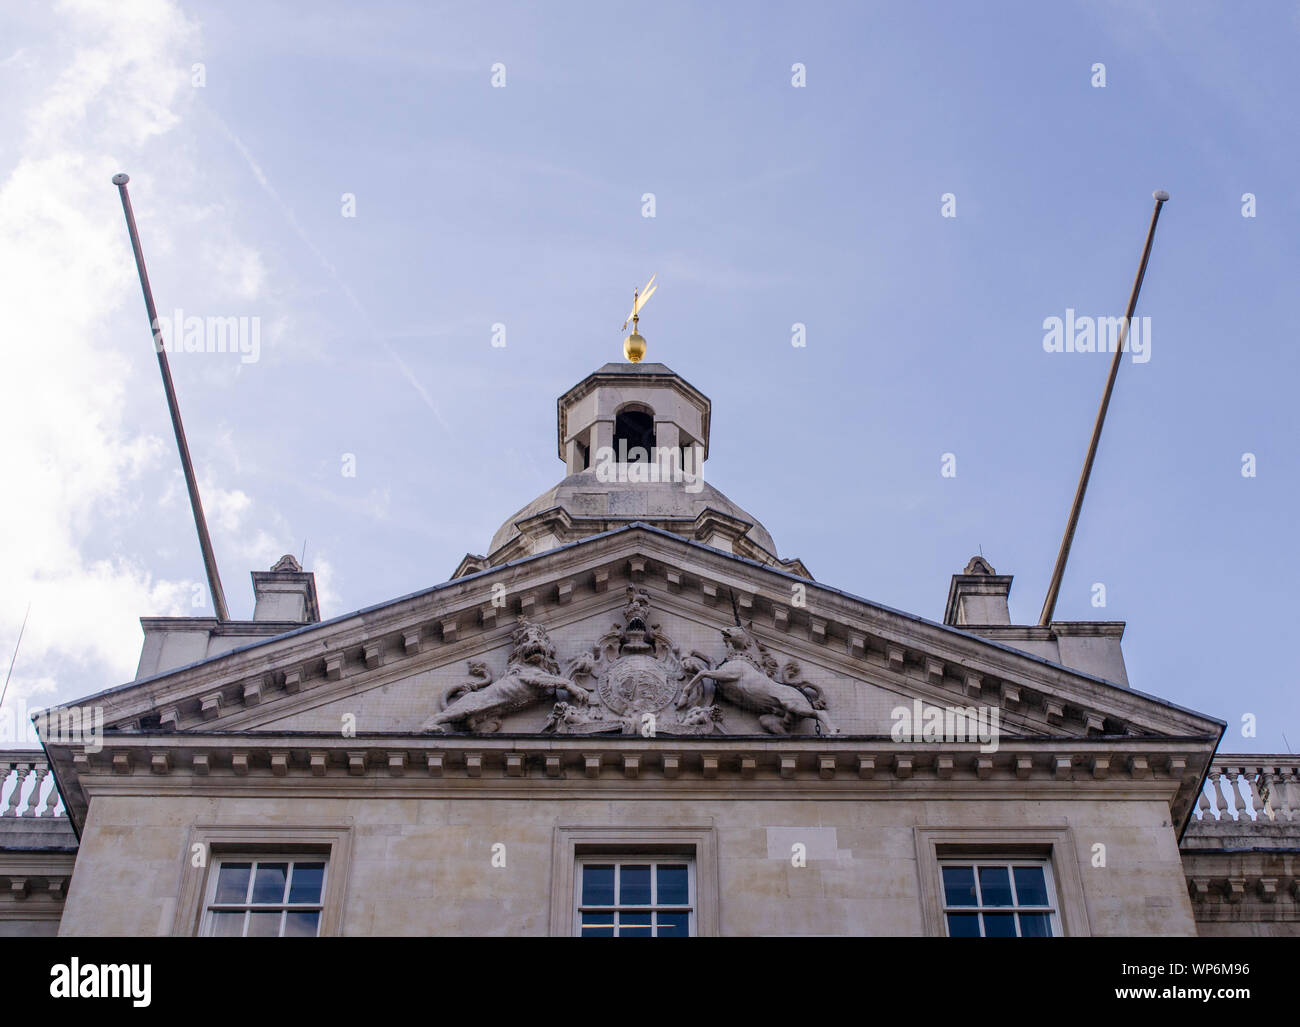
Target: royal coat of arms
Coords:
[[633, 681], [637, 675]]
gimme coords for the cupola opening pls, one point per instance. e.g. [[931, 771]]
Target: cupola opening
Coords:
[[634, 429]]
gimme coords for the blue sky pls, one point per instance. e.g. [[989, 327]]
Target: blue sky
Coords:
[[774, 205]]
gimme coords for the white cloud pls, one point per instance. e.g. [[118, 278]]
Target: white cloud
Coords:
[[115, 80]]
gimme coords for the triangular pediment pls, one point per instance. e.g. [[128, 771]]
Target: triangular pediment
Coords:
[[832, 661]]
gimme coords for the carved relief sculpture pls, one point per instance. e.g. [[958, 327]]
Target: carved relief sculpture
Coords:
[[633, 681], [531, 676], [746, 677], [636, 673]]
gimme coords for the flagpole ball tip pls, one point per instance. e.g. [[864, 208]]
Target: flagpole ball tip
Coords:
[[121, 178], [1160, 195]]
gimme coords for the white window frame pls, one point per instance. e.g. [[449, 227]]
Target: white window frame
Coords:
[[694, 843], [1054, 843], [209, 843], [975, 862], [653, 860], [210, 905]]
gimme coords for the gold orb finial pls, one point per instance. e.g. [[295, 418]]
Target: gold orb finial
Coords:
[[634, 344]]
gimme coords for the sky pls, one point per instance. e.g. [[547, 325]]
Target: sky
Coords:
[[384, 189]]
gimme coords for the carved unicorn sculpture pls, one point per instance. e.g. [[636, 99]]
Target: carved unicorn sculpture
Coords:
[[741, 679]]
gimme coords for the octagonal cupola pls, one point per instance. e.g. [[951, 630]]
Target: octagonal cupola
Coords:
[[633, 438], [623, 408]]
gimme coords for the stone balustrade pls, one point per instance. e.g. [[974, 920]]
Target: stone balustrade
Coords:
[[1239, 851], [1243, 789], [1261, 789], [26, 785]]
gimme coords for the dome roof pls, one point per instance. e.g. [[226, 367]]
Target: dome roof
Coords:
[[586, 498]]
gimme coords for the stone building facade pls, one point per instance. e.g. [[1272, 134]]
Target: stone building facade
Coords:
[[633, 716]]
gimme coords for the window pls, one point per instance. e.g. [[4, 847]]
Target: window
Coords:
[[635, 897], [630, 880], [994, 898], [303, 850], [265, 897], [1003, 901]]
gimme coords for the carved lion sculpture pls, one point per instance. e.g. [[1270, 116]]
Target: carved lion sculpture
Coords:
[[532, 675], [740, 680], [480, 676]]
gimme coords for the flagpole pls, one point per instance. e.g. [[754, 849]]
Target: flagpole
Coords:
[[173, 407], [1058, 572]]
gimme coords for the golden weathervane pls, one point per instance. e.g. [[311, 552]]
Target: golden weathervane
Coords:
[[634, 344]]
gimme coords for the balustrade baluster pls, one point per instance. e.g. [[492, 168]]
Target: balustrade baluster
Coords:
[[52, 800], [39, 774], [1220, 801], [1288, 792], [22, 770], [1252, 776], [1233, 774], [27, 785], [1203, 803]]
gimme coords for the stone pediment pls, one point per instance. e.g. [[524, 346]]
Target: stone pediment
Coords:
[[634, 667], [632, 624]]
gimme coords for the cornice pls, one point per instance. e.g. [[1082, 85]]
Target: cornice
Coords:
[[723, 767], [1243, 886]]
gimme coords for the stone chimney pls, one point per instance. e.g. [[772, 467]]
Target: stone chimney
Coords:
[[978, 596], [977, 602], [285, 594]]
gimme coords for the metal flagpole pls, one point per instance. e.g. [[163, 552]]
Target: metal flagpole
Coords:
[[200, 522], [1054, 588]]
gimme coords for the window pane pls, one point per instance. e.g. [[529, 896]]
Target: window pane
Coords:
[[673, 885], [959, 886], [232, 883], [634, 885], [268, 882], [963, 925], [592, 925], [1035, 925], [598, 885], [227, 925], [300, 924], [634, 925], [674, 925], [1031, 887], [999, 925], [307, 881], [995, 886], [264, 925]]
